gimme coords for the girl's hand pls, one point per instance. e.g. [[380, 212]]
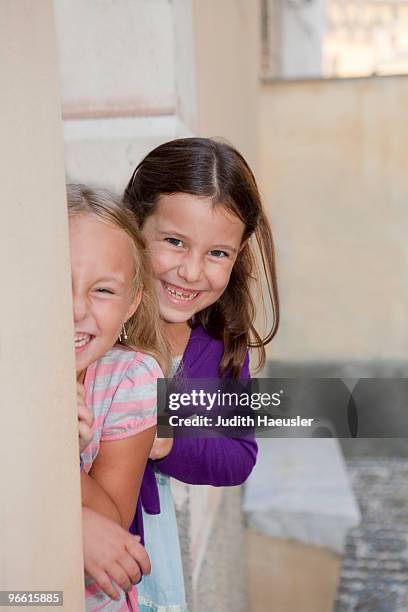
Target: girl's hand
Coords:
[[85, 419], [111, 553], [161, 448]]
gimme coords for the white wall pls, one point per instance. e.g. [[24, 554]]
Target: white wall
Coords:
[[116, 57], [137, 73], [303, 31], [118, 85], [295, 35]]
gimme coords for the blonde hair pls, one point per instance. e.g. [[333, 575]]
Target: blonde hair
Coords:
[[143, 328]]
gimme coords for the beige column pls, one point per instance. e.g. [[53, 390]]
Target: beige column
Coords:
[[40, 497]]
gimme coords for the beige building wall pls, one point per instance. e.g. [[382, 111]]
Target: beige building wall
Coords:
[[333, 172], [40, 503], [227, 44]]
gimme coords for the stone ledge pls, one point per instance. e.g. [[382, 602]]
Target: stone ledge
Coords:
[[300, 489], [105, 151]]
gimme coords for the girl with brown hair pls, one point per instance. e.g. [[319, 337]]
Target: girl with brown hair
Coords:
[[200, 212]]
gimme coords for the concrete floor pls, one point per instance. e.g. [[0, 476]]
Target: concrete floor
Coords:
[[374, 575], [375, 448], [223, 583]]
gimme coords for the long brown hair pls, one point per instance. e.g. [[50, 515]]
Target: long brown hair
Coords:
[[143, 328], [214, 169]]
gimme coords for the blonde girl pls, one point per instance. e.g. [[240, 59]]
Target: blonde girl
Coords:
[[117, 348]]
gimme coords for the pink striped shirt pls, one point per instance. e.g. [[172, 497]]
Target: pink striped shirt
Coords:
[[121, 388]]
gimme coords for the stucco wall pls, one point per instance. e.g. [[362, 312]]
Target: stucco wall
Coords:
[[333, 173], [227, 49], [116, 57], [137, 73], [119, 72], [40, 499]]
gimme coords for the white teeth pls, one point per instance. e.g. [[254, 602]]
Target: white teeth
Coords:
[[82, 340], [180, 295]]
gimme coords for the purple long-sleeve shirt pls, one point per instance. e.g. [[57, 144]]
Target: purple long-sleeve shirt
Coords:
[[211, 461]]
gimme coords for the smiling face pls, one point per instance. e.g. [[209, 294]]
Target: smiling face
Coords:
[[193, 247], [103, 271]]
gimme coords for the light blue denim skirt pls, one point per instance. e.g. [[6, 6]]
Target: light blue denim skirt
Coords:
[[163, 590]]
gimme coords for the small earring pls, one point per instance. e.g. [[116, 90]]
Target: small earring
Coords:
[[123, 334]]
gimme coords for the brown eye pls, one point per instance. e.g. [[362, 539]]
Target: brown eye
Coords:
[[174, 241]]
